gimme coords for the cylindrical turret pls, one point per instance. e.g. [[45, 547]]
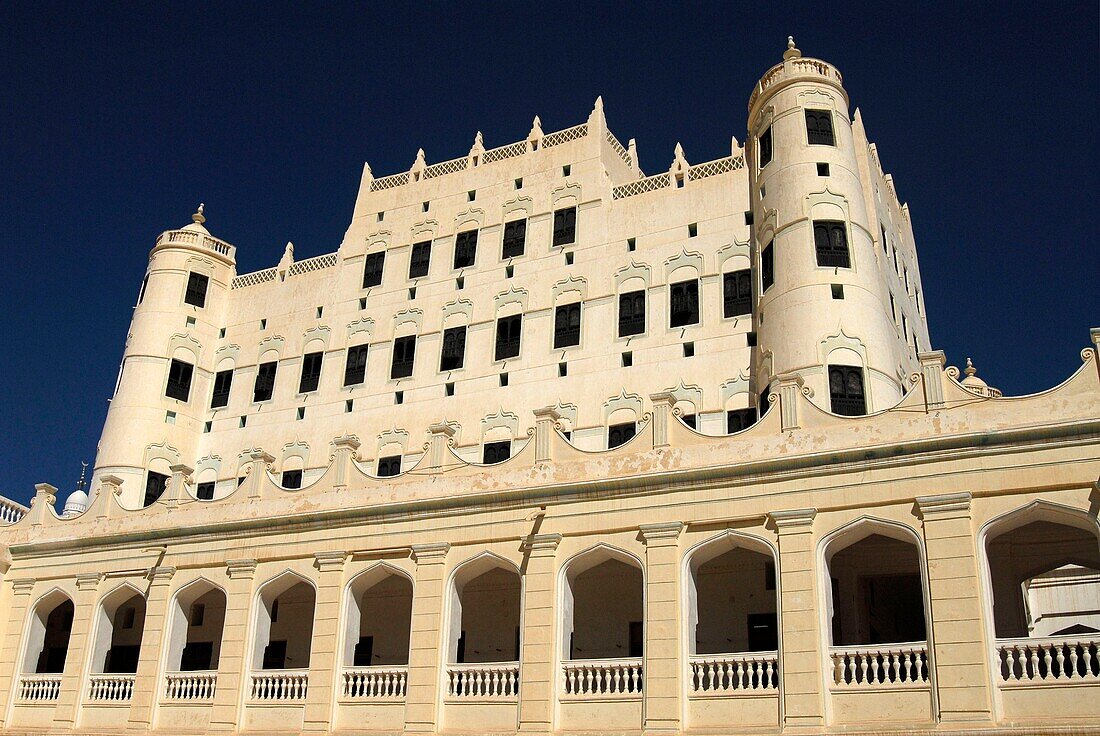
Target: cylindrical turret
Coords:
[[822, 310], [156, 415]]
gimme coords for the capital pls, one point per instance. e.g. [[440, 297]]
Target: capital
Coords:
[[436, 552], [664, 532], [240, 569], [330, 561], [86, 581], [542, 544], [794, 520], [161, 574], [23, 586], [944, 505]]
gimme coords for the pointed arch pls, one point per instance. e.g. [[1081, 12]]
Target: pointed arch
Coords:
[[285, 608], [483, 610], [602, 603], [195, 623], [377, 616], [46, 633], [120, 622]]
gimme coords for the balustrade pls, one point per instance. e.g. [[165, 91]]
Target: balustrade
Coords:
[[111, 688], [190, 686], [495, 680], [888, 664], [1047, 660], [279, 685], [10, 511], [39, 688], [735, 673], [602, 678], [371, 683]]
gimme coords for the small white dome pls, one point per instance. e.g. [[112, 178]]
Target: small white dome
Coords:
[[76, 503]]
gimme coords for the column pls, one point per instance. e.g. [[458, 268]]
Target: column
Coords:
[[422, 698], [662, 667], [9, 666], [146, 684], [958, 636], [790, 388], [235, 659], [537, 673], [81, 644], [800, 656], [326, 631]]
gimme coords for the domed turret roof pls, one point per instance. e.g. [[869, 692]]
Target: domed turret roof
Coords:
[[975, 384], [77, 502]]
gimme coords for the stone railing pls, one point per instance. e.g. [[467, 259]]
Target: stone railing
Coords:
[[190, 686], [188, 237], [618, 148], [504, 152], [371, 683], [316, 263], [487, 680], [734, 673], [794, 68], [602, 678], [10, 511], [445, 167], [564, 136], [256, 277], [716, 167], [885, 664], [641, 186], [279, 685], [1035, 661], [39, 688], [111, 688]]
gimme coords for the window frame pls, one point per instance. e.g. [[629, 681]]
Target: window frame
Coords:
[[580, 324], [766, 135], [259, 374], [819, 114], [389, 460], [464, 237], [355, 350], [294, 475], [521, 222], [486, 447], [697, 311], [518, 341], [727, 303], [621, 426], [214, 393], [463, 329], [403, 340], [569, 229], [314, 377], [424, 246], [189, 380], [619, 313], [846, 370], [203, 293], [379, 255], [843, 257], [767, 267]]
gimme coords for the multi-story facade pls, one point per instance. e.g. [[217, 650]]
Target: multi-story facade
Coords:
[[552, 445]]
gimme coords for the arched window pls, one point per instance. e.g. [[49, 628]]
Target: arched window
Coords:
[[196, 619], [379, 618], [284, 623], [602, 611], [121, 623], [48, 635], [846, 390]]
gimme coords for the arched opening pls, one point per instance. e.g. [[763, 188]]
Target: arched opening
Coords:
[[196, 621], [48, 635], [119, 631], [732, 599], [484, 612], [284, 624], [379, 619], [602, 610]]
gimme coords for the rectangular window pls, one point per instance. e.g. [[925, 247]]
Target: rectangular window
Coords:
[[737, 293], [465, 249], [831, 243], [885, 246], [767, 268], [141, 291], [496, 452], [311, 372], [265, 381], [454, 349], [766, 147], [515, 239], [508, 331], [355, 369], [618, 434], [404, 350], [372, 270], [179, 380], [631, 313], [565, 226], [292, 479], [389, 466], [155, 483], [205, 491], [739, 419], [567, 325], [684, 303], [197, 284], [819, 128], [420, 259], [846, 390]]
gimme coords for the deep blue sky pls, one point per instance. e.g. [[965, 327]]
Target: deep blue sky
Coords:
[[118, 118]]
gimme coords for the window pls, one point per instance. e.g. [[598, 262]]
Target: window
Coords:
[[223, 381], [301, 412], [618, 434], [399, 397], [684, 303], [566, 170], [737, 293], [822, 169], [689, 420], [424, 206], [205, 491], [265, 381], [838, 291], [169, 417], [292, 479], [563, 370], [311, 372], [819, 128], [739, 419], [207, 426], [155, 483], [508, 329], [389, 466], [404, 350], [454, 349], [349, 404], [693, 230], [471, 195], [320, 311], [689, 350], [449, 389], [831, 243], [627, 359], [767, 268], [509, 271], [355, 369], [197, 284], [748, 217], [465, 249], [569, 258], [567, 325], [750, 339], [141, 291], [519, 183], [372, 270], [515, 239], [198, 614], [496, 452], [221, 332], [565, 226], [503, 379], [631, 244], [631, 313], [179, 380], [766, 147], [846, 390], [420, 259]]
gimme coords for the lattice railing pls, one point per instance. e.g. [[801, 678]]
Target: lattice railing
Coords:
[[190, 686], [602, 678], [888, 664], [279, 685], [312, 264], [39, 688], [445, 167], [715, 673], [564, 136], [1028, 661], [389, 182], [256, 277], [111, 688], [10, 511], [716, 167], [641, 186], [487, 680], [618, 148], [375, 683], [504, 152]]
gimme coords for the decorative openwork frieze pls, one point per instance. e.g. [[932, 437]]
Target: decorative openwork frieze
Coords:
[[446, 167], [641, 186], [389, 182], [618, 148], [504, 152], [564, 136], [279, 685], [1033, 661], [316, 263], [716, 167], [190, 686], [725, 673], [256, 277], [39, 688], [111, 688], [888, 664], [602, 678], [490, 680], [375, 683]]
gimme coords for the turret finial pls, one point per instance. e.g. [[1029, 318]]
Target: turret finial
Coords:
[[83, 470], [199, 217], [970, 369], [792, 51]]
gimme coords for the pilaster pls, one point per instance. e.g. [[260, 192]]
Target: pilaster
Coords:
[[9, 666], [344, 450], [931, 374], [258, 464], [790, 388], [663, 407], [234, 662], [662, 667], [537, 692], [153, 639], [77, 663], [422, 695], [177, 486], [326, 630], [546, 421], [441, 436]]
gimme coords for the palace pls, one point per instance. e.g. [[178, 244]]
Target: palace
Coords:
[[552, 445]]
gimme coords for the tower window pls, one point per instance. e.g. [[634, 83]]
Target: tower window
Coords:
[[689, 420], [503, 379], [819, 128], [355, 369], [155, 483], [739, 419], [565, 226], [846, 390], [404, 351], [496, 452], [449, 388], [766, 147], [197, 284], [204, 492], [563, 370], [399, 397], [567, 325], [519, 183], [389, 466], [301, 412], [223, 382], [311, 372], [838, 291], [207, 426], [372, 270], [141, 291], [748, 217], [823, 169], [515, 238], [689, 350], [420, 259], [831, 243], [454, 349], [460, 283], [566, 170], [631, 313], [885, 246], [569, 258], [292, 479], [179, 380], [619, 434], [631, 244], [471, 195], [684, 303], [693, 230], [627, 359], [737, 293], [508, 334], [349, 404], [767, 268], [265, 381], [424, 206], [465, 249], [509, 271]]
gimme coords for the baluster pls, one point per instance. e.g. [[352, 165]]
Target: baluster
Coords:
[[708, 673], [1086, 650], [771, 673], [1048, 660], [895, 666], [1072, 672], [589, 677], [1061, 659]]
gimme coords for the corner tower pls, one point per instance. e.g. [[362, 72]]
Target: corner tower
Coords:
[[823, 306]]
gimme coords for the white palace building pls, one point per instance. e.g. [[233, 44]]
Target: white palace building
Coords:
[[553, 445]]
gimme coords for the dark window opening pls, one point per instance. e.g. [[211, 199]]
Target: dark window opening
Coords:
[[509, 271], [197, 285], [563, 370], [275, 654], [565, 226], [763, 632], [355, 369], [179, 380], [292, 479], [636, 639], [404, 351], [838, 291], [628, 359], [122, 659], [748, 217], [737, 293], [618, 434], [567, 325], [223, 382], [372, 270], [631, 244], [689, 350], [684, 303], [205, 491], [819, 128], [449, 389], [508, 334], [454, 349], [831, 243], [764, 401], [503, 379], [515, 239], [265, 381], [766, 147], [822, 169], [197, 656], [420, 259], [767, 268], [155, 483], [569, 259], [364, 652], [496, 452], [465, 249], [311, 372], [846, 390], [632, 313], [689, 420], [389, 466], [739, 419]]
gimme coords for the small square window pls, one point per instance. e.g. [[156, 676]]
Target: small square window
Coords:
[[399, 397], [320, 311], [628, 359], [565, 170], [631, 244], [471, 195], [509, 271], [460, 283], [412, 292], [424, 207], [563, 370], [244, 422], [503, 379], [689, 350], [301, 412], [693, 229], [170, 417], [263, 324], [362, 302], [348, 405], [748, 217], [190, 321], [750, 339], [838, 291], [221, 332], [449, 389], [381, 216], [207, 426], [822, 169], [569, 259], [679, 181], [204, 492], [519, 183]]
